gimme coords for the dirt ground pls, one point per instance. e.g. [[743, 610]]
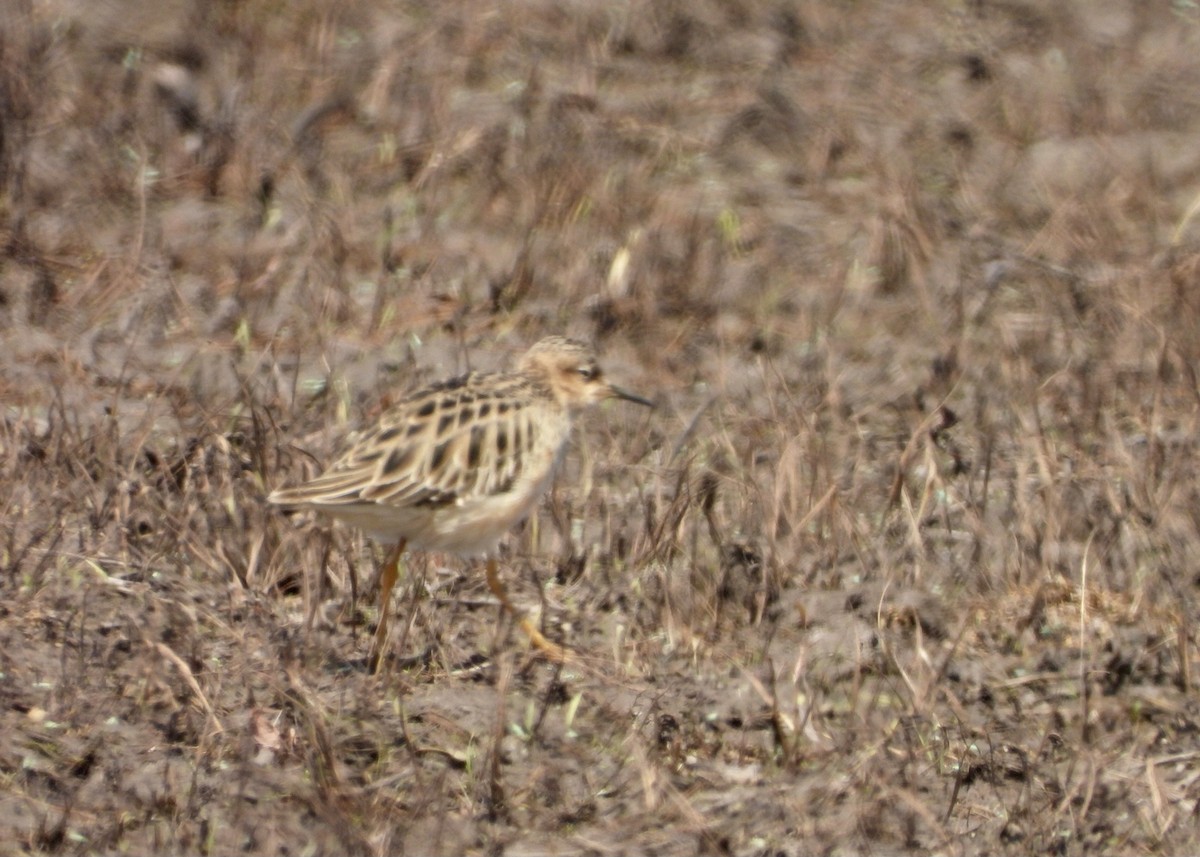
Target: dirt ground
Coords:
[[904, 561]]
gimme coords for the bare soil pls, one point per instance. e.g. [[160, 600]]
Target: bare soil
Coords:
[[905, 561]]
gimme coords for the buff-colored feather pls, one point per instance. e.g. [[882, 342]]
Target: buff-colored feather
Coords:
[[455, 465]]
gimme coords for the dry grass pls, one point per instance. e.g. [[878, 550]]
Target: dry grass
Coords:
[[904, 562]]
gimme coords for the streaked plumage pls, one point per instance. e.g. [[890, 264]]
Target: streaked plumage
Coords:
[[456, 465]]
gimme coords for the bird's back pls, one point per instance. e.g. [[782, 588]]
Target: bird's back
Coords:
[[450, 467]]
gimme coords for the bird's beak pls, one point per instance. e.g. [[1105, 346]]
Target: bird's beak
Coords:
[[617, 393]]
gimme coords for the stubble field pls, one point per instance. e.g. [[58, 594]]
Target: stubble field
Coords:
[[905, 560]]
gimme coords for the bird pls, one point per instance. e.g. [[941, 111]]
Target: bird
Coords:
[[457, 464]]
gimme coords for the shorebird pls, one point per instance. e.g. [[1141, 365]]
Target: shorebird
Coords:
[[457, 464]]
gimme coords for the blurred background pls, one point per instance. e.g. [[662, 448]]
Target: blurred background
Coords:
[[903, 561]]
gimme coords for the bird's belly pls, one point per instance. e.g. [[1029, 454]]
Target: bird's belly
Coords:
[[477, 524]]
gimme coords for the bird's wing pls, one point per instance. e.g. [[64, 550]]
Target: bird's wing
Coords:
[[456, 440]]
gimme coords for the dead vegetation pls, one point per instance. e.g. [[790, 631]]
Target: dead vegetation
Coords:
[[903, 562]]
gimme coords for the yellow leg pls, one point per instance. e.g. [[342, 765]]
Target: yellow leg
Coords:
[[551, 650], [388, 575]]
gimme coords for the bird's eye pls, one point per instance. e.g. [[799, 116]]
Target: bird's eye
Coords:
[[589, 373]]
